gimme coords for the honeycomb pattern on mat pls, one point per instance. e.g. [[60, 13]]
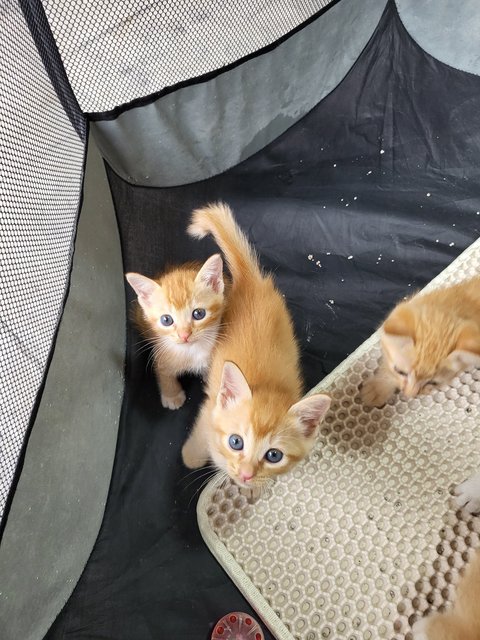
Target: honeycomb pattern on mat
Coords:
[[361, 539]]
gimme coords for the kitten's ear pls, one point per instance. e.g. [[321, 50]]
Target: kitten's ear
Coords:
[[233, 388], [310, 412], [211, 273], [398, 336], [401, 321], [467, 350], [144, 288]]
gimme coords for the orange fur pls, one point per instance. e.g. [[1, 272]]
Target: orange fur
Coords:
[[463, 621], [426, 341], [186, 345], [254, 386]]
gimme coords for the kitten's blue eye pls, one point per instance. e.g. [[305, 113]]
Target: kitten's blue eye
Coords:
[[235, 442], [273, 455], [166, 320], [199, 314]]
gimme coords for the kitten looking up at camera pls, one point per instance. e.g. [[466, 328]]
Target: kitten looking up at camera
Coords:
[[426, 341], [180, 313], [253, 424]]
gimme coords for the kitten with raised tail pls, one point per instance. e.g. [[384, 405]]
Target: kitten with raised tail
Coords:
[[254, 423], [426, 341], [180, 314]]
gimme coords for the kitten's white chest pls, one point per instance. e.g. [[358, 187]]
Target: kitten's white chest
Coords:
[[189, 358], [199, 357]]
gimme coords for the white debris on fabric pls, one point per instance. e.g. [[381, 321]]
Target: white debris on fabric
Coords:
[[349, 257], [334, 165], [368, 173], [311, 257], [382, 151], [331, 308], [452, 244], [428, 195]]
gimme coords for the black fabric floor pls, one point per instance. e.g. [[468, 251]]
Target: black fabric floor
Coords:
[[362, 202]]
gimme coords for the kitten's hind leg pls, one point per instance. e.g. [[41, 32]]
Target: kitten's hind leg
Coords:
[[467, 494], [171, 392], [378, 390], [195, 450]]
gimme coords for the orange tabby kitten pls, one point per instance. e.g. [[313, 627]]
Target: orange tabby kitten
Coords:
[[253, 424], [463, 621], [180, 314], [426, 341]]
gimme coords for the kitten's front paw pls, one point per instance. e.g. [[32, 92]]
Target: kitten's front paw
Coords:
[[375, 393], [467, 494], [173, 402], [419, 629], [191, 456]]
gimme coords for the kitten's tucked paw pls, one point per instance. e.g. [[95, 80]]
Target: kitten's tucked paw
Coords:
[[173, 402], [419, 629], [375, 393], [467, 494], [191, 457]]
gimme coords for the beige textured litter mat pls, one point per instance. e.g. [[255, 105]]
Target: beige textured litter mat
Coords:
[[361, 538]]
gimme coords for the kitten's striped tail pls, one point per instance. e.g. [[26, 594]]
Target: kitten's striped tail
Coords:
[[217, 219]]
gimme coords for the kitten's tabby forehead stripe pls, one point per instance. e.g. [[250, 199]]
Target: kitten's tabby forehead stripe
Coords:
[[180, 290], [178, 287]]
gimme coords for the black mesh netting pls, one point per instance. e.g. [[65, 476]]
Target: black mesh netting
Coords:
[[115, 52], [41, 168]]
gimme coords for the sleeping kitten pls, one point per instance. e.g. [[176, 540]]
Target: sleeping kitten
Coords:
[[426, 341], [253, 424], [180, 314], [463, 621]]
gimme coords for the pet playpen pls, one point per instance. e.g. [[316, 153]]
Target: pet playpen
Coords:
[[346, 137]]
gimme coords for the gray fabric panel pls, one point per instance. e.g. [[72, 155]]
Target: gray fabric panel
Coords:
[[202, 130], [448, 30], [60, 499]]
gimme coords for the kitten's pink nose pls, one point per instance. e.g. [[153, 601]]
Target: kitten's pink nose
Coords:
[[184, 335], [245, 477]]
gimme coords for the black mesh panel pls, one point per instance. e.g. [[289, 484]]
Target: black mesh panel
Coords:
[[114, 52], [41, 168]]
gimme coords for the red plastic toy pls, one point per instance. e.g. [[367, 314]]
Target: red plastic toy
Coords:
[[237, 626]]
